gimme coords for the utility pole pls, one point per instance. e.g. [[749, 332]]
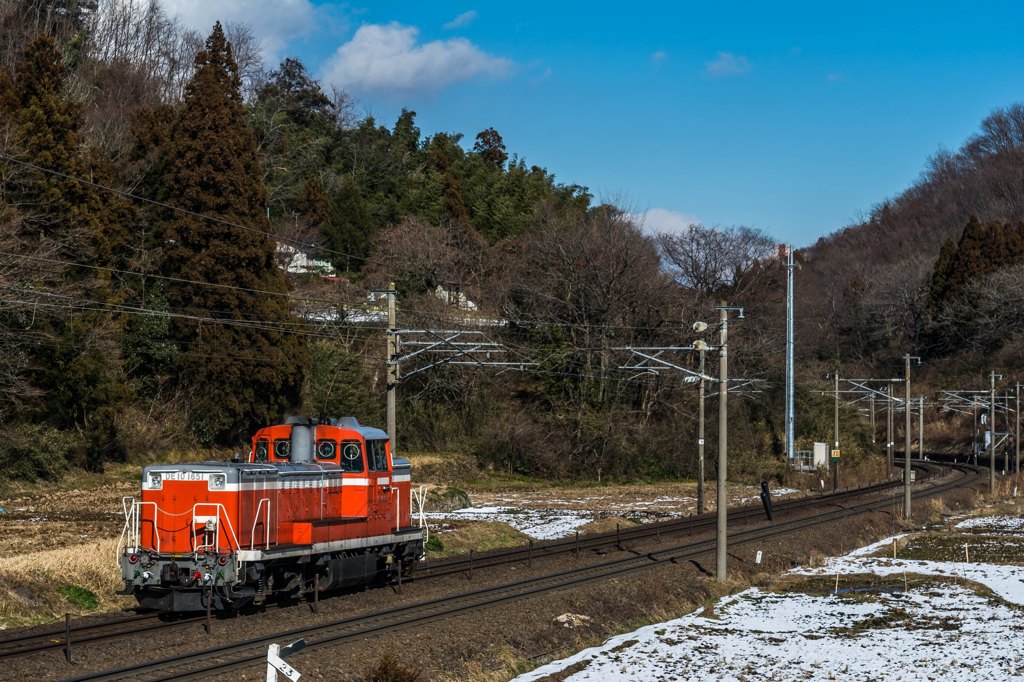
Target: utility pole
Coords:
[[974, 438], [790, 372], [871, 398], [392, 373], [920, 429], [906, 438], [721, 537], [992, 431], [700, 435], [1016, 438], [888, 426], [835, 431]]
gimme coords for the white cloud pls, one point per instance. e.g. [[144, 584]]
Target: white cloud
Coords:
[[662, 220], [834, 78], [387, 57], [274, 22], [464, 19], [727, 65], [659, 56]]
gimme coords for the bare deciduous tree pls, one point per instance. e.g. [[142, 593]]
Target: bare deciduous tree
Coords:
[[712, 261]]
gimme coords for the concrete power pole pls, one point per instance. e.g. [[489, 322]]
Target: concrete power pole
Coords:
[[790, 371], [871, 399], [700, 437], [1016, 439], [992, 432], [392, 374], [888, 426], [906, 439], [721, 537], [920, 429], [835, 432]]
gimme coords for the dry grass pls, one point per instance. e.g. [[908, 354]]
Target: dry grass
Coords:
[[58, 543], [478, 536], [34, 586], [607, 525]]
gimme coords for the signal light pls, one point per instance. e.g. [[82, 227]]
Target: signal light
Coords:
[[222, 560], [133, 558]]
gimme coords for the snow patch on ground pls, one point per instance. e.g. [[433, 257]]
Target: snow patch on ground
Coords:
[[553, 517], [943, 631], [993, 524], [540, 524]]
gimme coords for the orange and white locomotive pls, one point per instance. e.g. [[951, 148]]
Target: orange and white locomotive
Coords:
[[315, 505]]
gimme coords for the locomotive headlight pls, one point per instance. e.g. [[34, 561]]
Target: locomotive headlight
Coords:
[[217, 481], [156, 481]]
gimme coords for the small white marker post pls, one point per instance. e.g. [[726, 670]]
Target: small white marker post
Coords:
[[276, 664]]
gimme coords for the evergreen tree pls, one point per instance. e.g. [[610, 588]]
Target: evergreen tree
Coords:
[[75, 364], [298, 96], [491, 147], [241, 366]]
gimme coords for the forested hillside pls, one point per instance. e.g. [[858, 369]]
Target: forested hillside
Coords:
[[159, 190], [935, 270]]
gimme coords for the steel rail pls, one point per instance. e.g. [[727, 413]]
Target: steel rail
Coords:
[[687, 524], [92, 633], [95, 633], [85, 633], [252, 652]]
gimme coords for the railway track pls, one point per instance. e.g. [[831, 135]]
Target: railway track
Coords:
[[85, 633], [688, 525], [110, 631], [223, 659]]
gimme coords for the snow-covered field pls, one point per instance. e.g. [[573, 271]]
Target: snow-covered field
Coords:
[[551, 517], [941, 629]]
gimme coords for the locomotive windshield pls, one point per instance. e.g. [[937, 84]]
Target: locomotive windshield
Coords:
[[377, 454], [351, 456]]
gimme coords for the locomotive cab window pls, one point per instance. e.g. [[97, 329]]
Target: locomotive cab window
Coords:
[[282, 448], [326, 449], [351, 456], [377, 454], [262, 451]]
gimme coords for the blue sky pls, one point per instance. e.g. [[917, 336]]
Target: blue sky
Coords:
[[795, 118]]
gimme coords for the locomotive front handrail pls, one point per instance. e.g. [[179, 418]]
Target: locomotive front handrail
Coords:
[[156, 526], [420, 497], [266, 525], [129, 533], [219, 510]]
